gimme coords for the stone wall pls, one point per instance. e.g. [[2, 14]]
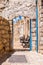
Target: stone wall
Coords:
[[15, 8], [5, 36], [33, 24], [40, 21], [18, 7]]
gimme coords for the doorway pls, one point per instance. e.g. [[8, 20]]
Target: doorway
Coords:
[[21, 33]]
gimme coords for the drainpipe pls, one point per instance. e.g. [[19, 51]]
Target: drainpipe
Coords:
[[37, 25]]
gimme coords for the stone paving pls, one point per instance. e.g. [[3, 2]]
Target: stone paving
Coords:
[[32, 57]]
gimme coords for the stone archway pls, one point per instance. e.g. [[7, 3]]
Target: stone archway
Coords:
[[5, 36], [21, 33]]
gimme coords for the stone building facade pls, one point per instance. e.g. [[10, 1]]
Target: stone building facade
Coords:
[[10, 9]]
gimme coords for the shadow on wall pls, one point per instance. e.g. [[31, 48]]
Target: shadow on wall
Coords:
[[5, 40], [5, 36]]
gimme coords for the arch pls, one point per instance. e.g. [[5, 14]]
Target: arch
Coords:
[[20, 18]]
